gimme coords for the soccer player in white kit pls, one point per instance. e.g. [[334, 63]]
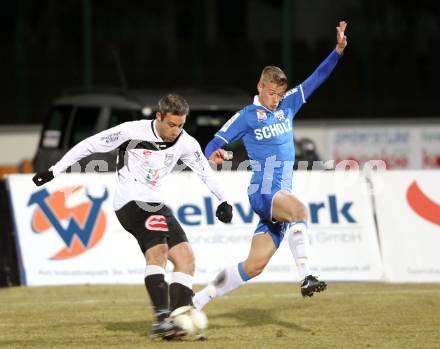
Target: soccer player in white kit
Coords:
[[148, 151]]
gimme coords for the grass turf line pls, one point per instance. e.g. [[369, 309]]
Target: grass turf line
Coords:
[[347, 315]]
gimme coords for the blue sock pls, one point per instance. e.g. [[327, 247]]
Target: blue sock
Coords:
[[244, 276]]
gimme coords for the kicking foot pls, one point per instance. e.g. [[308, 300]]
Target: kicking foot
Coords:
[[166, 329], [311, 285]]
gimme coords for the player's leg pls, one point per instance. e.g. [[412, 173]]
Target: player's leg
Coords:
[[158, 291], [266, 240], [151, 232], [181, 293], [287, 208], [297, 237], [262, 249], [155, 284], [182, 257]]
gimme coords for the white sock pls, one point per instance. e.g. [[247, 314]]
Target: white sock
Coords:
[[152, 269], [204, 296], [227, 280], [182, 278], [299, 246]]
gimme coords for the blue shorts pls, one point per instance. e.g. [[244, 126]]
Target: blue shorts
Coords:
[[262, 205], [276, 230]]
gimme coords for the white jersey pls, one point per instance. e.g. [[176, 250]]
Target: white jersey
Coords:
[[145, 159]]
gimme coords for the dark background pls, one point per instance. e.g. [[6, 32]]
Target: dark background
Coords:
[[390, 67]]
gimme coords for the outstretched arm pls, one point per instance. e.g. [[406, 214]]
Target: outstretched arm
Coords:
[[325, 68], [214, 151], [232, 130], [102, 142]]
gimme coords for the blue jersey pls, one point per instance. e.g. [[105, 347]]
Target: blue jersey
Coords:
[[268, 138]]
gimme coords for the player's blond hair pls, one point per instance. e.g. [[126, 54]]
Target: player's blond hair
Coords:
[[274, 75]]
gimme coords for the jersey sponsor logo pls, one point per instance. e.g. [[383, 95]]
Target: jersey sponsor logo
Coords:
[[280, 115], [261, 114], [156, 222], [229, 122], [273, 130], [80, 227], [110, 138], [146, 154], [151, 176], [421, 204]]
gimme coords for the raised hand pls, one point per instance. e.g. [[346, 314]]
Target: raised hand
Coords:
[[341, 39]]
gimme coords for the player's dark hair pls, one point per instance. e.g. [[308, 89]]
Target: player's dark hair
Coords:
[[274, 75], [173, 104]]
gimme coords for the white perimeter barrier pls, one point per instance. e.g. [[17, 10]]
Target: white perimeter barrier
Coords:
[[407, 205], [400, 147], [67, 232]]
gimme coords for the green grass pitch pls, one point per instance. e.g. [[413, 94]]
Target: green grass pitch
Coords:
[[346, 315]]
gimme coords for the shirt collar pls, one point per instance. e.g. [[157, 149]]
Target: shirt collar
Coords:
[[156, 134], [257, 103]]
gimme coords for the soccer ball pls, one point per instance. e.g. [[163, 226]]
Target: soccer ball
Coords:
[[191, 320]]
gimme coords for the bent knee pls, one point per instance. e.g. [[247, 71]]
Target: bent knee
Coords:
[[254, 269], [298, 212]]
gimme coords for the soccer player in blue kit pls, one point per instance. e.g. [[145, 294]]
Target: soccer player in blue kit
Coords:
[[266, 129]]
